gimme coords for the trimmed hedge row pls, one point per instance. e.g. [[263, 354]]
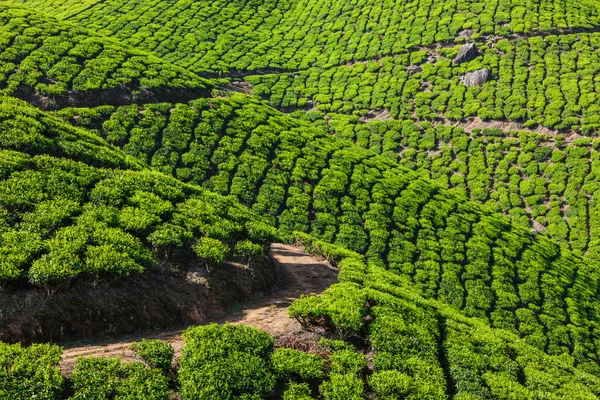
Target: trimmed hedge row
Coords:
[[547, 81], [303, 179], [51, 58], [222, 36], [70, 207]]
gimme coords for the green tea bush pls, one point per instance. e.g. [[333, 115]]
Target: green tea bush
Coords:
[[30, 372], [95, 378], [156, 353], [290, 363], [359, 206], [297, 391], [79, 208], [390, 385], [225, 362], [52, 58], [342, 387], [295, 36], [347, 362]]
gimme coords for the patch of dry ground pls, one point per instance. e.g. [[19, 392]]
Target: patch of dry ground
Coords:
[[300, 274]]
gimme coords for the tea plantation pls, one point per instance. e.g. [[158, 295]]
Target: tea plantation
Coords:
[[443, 155]]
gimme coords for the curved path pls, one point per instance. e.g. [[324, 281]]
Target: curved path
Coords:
[[300, 273]]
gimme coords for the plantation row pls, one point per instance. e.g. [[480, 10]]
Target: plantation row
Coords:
[[222, 36], [218, 362], [426, 350], [51, 57], [541, 181], [68, 208], [550, 81], [420, 349], [306, 180]]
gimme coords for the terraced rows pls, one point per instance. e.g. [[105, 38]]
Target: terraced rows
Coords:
[[549, 81], [449, 298], [424, 349], [73, 207], [544, 182], [306, 180], [222, 36], [41, 56]]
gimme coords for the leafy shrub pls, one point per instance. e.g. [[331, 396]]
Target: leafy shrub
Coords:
[[156, 353], [297, 391], [100, 379], [290, 363], [30, 372], [347, 362], [390, 385], [246, 248], [212, 250], [342, 387], [225, 362], [342, 306]]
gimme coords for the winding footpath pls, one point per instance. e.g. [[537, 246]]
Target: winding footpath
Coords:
[[300, 273]]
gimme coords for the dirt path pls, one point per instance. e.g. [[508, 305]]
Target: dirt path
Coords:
[[300, 273]]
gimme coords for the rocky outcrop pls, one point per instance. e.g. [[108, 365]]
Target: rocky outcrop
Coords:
[[477, 78], [467, 52], [465, 34], [413, 69]]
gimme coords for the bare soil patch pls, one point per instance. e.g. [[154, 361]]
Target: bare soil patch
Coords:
[[299, 274], [161, 299], [120, 96]]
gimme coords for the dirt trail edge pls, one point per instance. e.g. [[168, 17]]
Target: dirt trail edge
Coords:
[[300, 273]]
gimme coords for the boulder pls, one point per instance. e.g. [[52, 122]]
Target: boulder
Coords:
[[466, 53], [466, 34], [477, 78], [413, 69]]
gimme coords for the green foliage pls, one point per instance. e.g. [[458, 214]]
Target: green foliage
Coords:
[[390, 385], [345, 377], [52, 58], [156, 353], [248, 249], [225, 362], [294, 36], [30, 372], [297, 391], [358, 207], [211, 250], [107, 378], [342, 387], [290, 363], [450, 296], [411, 337], [341, 306], [347, 362], [77, 207]]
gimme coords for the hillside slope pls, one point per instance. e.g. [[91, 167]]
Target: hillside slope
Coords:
[[150, 179], [545, 182], [73, 205], [537, 81], [295, 34], [53, 63], [424, 349], [305, 180]]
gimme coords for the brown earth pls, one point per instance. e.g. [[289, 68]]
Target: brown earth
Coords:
[[164, 297], [299, 274], [120, 96]]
